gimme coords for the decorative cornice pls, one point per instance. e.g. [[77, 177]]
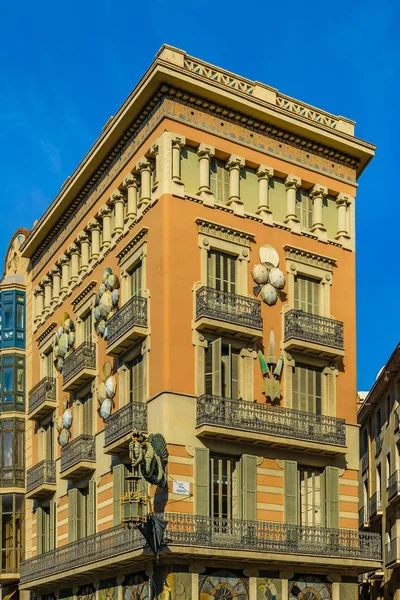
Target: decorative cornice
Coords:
[[43, 336], [133, 244], [82, 295], [225, 233], [309, 258]]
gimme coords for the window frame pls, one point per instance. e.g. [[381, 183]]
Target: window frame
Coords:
[[12, 299], [15, 362]]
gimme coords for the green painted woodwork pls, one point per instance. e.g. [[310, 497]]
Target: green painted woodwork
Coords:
[[190, 170], [202, 481], [332, 496], [249, 189], [307, 388], [119, 472], [306, 294], [249, 486], [291, 488], [73, 514]]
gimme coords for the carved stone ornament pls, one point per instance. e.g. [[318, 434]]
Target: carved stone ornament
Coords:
[[149, 453], [63, 342], [271, 371], [106, 302]]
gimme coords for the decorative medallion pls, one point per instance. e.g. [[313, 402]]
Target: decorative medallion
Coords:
[[63, 342], [106, 391], [270, 280], [106, 302], [63, 424]]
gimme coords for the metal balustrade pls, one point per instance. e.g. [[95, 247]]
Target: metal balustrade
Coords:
[[43, 472], [375, 504], [305, 326], [133, 312], [209, 532], [129, 418], [225, 306], [44, 390], [394, 485], [84, 357], [249, 416], [82, 448]]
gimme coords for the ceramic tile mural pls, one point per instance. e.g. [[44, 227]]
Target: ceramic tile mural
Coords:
[[309, 588], [223, 584]]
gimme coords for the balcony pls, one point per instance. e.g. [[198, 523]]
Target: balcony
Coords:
[[127, 326], [41, 479], [363, 517], [284, 427], [378, 443], [78, 457], [375, 505], [392, 554], [364, 462], [42, 398], [313, 334], [120, 425], [79, 367], [224, 312], [192, 535], [394, 487]]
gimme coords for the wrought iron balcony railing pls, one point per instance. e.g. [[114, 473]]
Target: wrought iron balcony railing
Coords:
[[305, 326], [44, 390], [378, 443], [209, 532], [134, 312], [84, 357], [251, 416], [364, 462], [228, 307], [82, 448], [363, 517], [43, 472], [394, 485], [129, 418], [375, 503], [392, 551]]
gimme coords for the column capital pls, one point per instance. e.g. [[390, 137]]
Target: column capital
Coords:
[[55, 270], [46, 280], [292, 181], [178, 140], [38, 291], [234, 162], [318, 191], [206, 150], [264, 172], [104, 210], [73, 249], [63, 260], [343, 199], [93, 225], [131, 180], [116, 196], [155, 147], [144, 164], [83, 236]]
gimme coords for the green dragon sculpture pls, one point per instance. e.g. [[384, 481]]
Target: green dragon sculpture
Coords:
[[149, 454]]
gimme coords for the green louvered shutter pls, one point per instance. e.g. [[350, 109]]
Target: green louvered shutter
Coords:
[[202, 481], [52, 525], [118, 490], [248, 471], [91, 509], [73, 514], [235, 373], [216, 350], [39, 531], [211, 260], [332, 497], [291, 492]]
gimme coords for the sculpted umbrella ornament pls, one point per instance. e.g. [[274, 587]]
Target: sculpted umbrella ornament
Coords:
[[106, 302], [63, 424], [272, 387], [270, 280], [106, 391], [63, 342]]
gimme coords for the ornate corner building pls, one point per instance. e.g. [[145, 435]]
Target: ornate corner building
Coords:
[[194, 278]]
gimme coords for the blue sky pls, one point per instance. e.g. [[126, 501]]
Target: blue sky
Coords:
[[65, 68]]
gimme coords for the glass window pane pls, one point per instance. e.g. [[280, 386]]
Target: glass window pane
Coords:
[[8, 316], [20, 379], [20, 449], [8, 449], [7, 503], [8, 379], [7, 531], [20, 316], [19, 502]]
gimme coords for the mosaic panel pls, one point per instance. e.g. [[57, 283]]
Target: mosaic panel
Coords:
[[309, 588], [223, 584], [135, 587], [108, 589], [269, 588]]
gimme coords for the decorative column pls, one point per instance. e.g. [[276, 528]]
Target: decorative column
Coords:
[[105, 215], [178, 188], [131, 183], [234, 164], [118, 200], [154, 151], [318, 194], [46, 285], [83, 240], [292, 183], [63, 261], [205, 154], [94, 228], [342, 203], [56, 275], [144, 167], [39, 303], [73, 251], [264, 174]]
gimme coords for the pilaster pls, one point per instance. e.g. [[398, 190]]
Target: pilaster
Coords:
[[292, 183], [205, 153], [318, 194], [264, 174], [234, 164]]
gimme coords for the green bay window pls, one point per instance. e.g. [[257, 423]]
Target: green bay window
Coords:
[[12, 463], [12, 383], [12, 531], [12, 319]]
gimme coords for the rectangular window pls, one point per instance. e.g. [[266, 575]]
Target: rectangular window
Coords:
[[49, 364], [388, 469], [221, 271], [219, 180], [304, 208], [136, 379], [221, 375], [311, 501], [87, 327], [307, 388], [87, 414], [224, 489], [49, 441], [83, 504], [135, 277], [12, 321], [307, 294]]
